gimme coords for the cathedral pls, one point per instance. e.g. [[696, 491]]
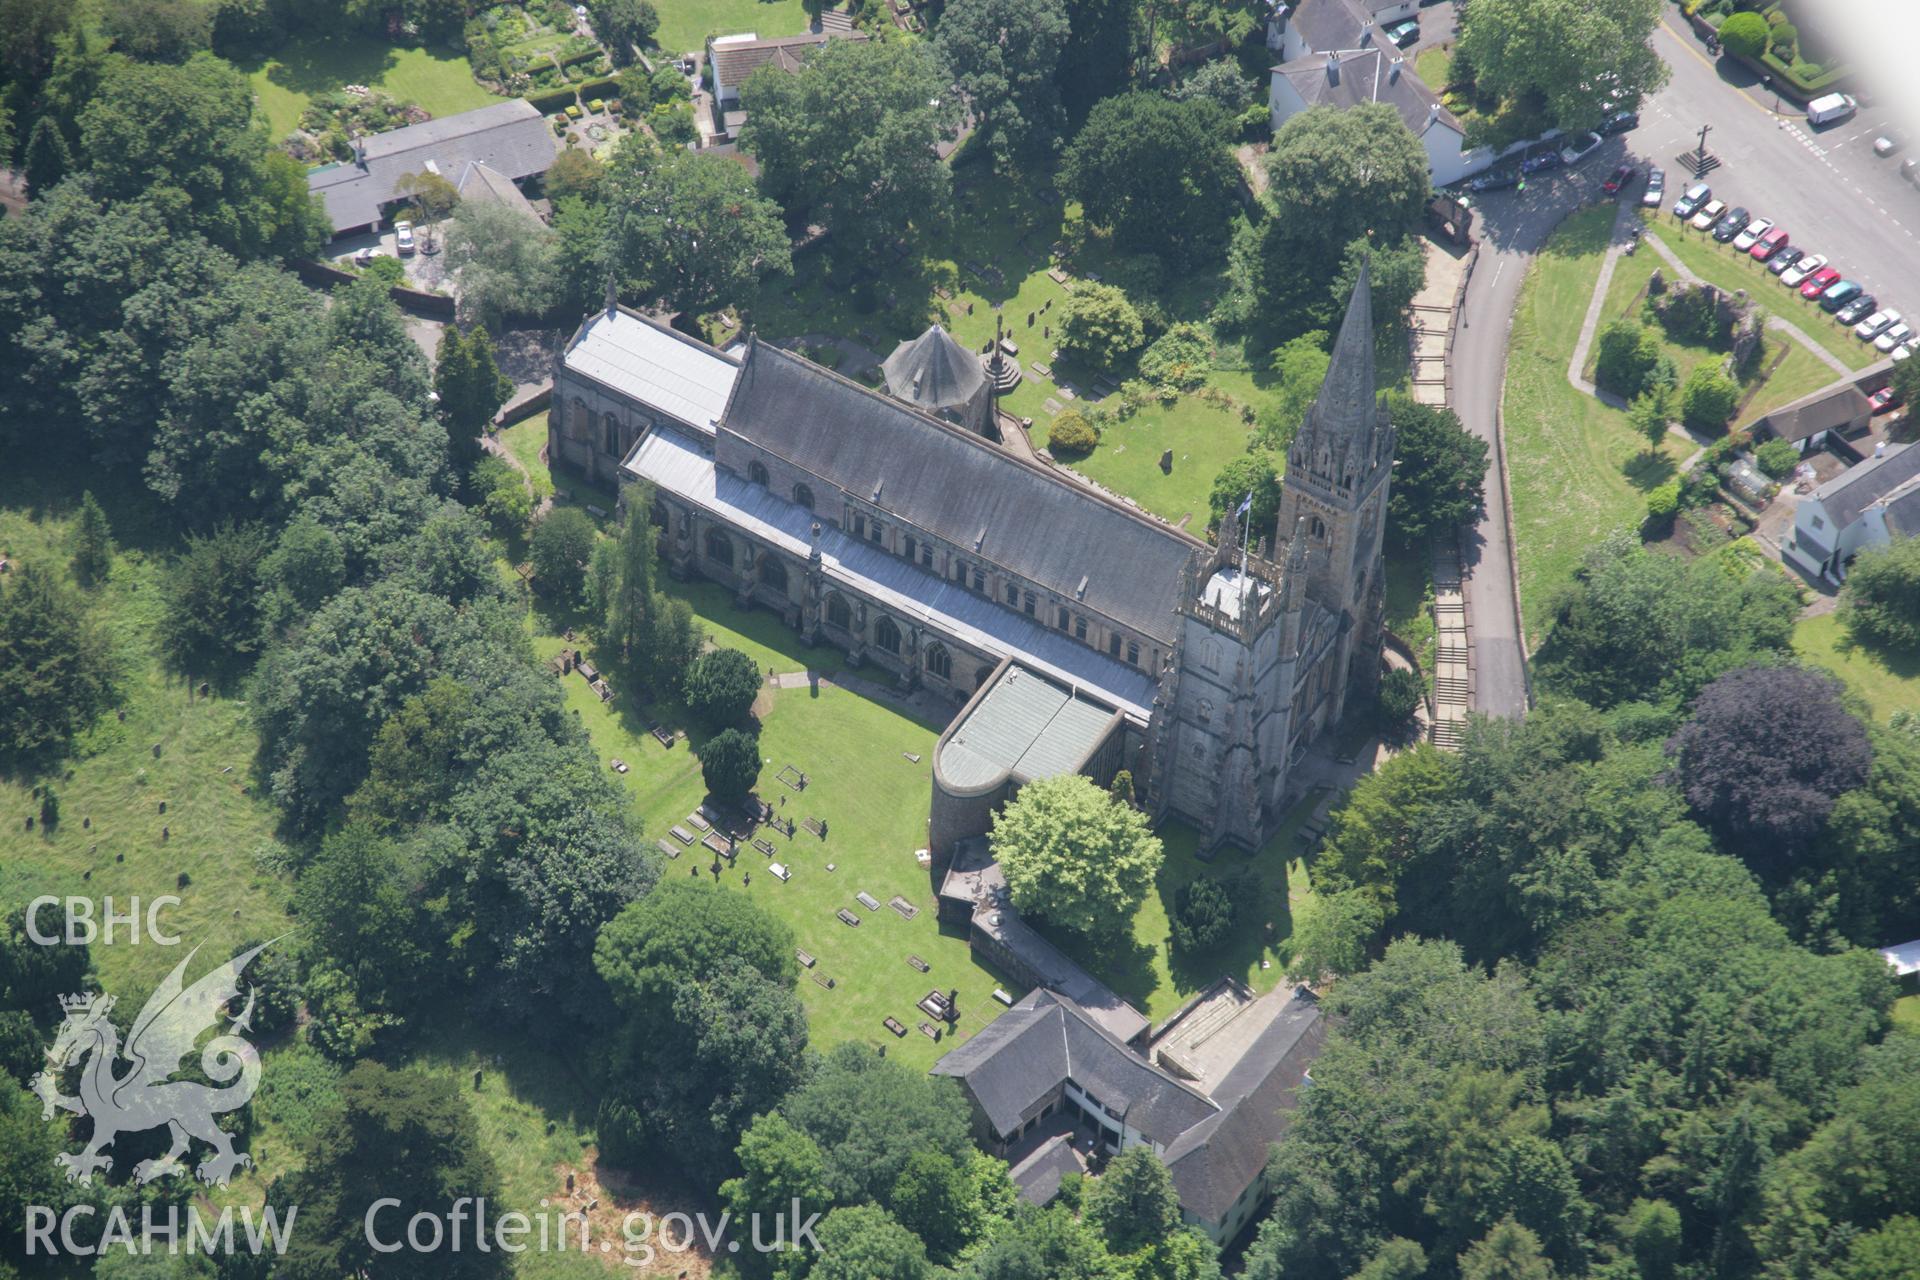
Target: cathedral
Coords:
[[1072, 631]]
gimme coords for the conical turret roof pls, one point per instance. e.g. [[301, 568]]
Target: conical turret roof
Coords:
[[934, 372]]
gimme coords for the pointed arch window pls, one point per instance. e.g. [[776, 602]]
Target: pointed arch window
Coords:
[[803, 496], [939, 661], [757, 473], [838, 614], [887, 635]]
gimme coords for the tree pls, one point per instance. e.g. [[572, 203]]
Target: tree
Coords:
[[871, 1115], [56, 673], [1332, 932], [686, 929], [722, 686], [779, 1167], [210, 619], [1745, 35], [1102, 38], [1397, 1259], [1881, 601], [1708, 399], [1905, 381], [29, 1171], [1440, 471], [306, 566], [402, 1135], [1508, 1252], [430, 194], [1204, 909], [1337, 175], [623, 25], [92, 542], [1396, 272], [1375, 839], [506, 264], [1558, 51], [1100, 327], [1073, 855], [849, 143], [1133, 1202], [1628, 357], [1300, 364], [471, 388], [1766, 753], [693, 231], [1043, 1244], [1401, 693], [1071, 435], [1776, 458], [1005, 57], [1220, 82], [159, 30], [561, 546], [931, 1199], [49, 159], [1256, 473], [575, 173], [365, 931], [730, 765], [1648, 416], [635, 603], [1157, 174], [1180, 358], [865, 1242]]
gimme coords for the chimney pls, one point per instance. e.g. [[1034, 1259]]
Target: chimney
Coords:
[[1433, 112], [1880, 449], [360, 151], [1333, 68]]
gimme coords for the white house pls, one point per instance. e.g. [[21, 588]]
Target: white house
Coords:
[[1867, 505], [1321, 26], [1349, 77]]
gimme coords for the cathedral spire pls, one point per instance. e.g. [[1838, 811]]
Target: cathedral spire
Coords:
[[1346, 403]]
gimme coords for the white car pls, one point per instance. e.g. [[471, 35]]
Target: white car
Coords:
[[1755, 229], [1704, 220], [1871, 327], [1656, 193], [403, 237], [1793, 276], [1579, 149], [1904, 351], [1894, 337]]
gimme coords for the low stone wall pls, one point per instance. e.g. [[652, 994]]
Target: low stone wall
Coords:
[[322, 275]]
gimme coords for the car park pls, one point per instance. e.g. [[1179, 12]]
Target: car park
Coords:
[[1619, 178], [1730, 225], [1874, 325], [1910, 170], [1493, 180], [1620, 122], [1579, 149], [1819, 282], [1770, 243], [1804, 270], [1542, 162], [1785, 258], [1404, 33], [1839, 294], [1888, 143], [1656, 193], [403, 237], [1893, 337], [1857, 310], [1692, 199], [1712, 212], [1751, 233], [1832, 107]]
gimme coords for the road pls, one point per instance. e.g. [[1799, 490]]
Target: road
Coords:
[[1825, 186]]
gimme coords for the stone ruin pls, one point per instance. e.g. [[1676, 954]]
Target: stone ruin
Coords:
[[1696, 311]]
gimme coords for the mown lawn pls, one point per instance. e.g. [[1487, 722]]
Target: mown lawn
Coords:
[[287, 81], [1906, 1013], [1578, 470], [1887, 682], [686, 24], [1204, 438]]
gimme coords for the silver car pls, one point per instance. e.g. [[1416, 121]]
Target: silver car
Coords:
[[1656, 191]]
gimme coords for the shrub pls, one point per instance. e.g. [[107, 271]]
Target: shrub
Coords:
[[1708, 399], [730, 765], [1401, 693], [1072, 435], [1776, 458], [722, 686], [1628, 358], [1784, 41], [1180, 358], [1204, 910], [1663, 502], [1099, 326], [1744, 35]]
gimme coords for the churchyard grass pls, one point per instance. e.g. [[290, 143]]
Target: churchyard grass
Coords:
[[1204, 437]]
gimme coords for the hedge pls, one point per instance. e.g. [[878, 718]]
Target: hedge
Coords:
[[1795, 78], [553, 100]]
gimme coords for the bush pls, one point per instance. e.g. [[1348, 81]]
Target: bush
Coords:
[[1776, 459], [1629, 358], [1180, 358], [1401, 693], [562, 544], [1072, 435], [1784, 41], [1708, 399], [722, 686], [1744, 35], [730, 765], [1204, 909], [1100, 327], [1663, 502]]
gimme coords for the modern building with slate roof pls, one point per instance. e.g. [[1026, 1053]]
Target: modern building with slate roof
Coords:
[[940, 556], [1864, 506], [511, 138], [1048, 1082]]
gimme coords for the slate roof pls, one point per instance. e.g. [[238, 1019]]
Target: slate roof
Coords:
[[1348, 77], [734, 60], [1903, 511], [1333, 24], [511, 138], [935, 372], [960, 487], [655, 364], [482, 182], [1025, 1053], [1830, 409], [1848, 495], [1037, 1177]]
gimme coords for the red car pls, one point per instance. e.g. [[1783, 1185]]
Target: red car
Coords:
[[1769, 244], [1885, 400], [1817, 283], [1619, 179]]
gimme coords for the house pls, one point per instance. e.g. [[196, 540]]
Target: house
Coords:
[[1051, 1088], [731, 59], [1864, 506], [511, 139], [1828, 418], [481, 183], [1904, 960]]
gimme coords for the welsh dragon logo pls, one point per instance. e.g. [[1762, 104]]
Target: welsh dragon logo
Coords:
[[145, 1096]]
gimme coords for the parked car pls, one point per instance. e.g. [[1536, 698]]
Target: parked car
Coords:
[[1804, 270], [1839, 294], [1905, 350], [1893, 337], [1405, 33], [1910, 169], [1620, 122], [1769, 244], [364, 256], [1819, 282], [1692, 199], [1786, 257], [1542, 162], [1885, 400], [1834, 106], [1730, 225], [1857, 309], [1712, 212], [1579, 149], [1619, 178], [1750, 236], [1888, 143], [1873, 325], [1493, 180], [1656, 193], [403, 237]]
